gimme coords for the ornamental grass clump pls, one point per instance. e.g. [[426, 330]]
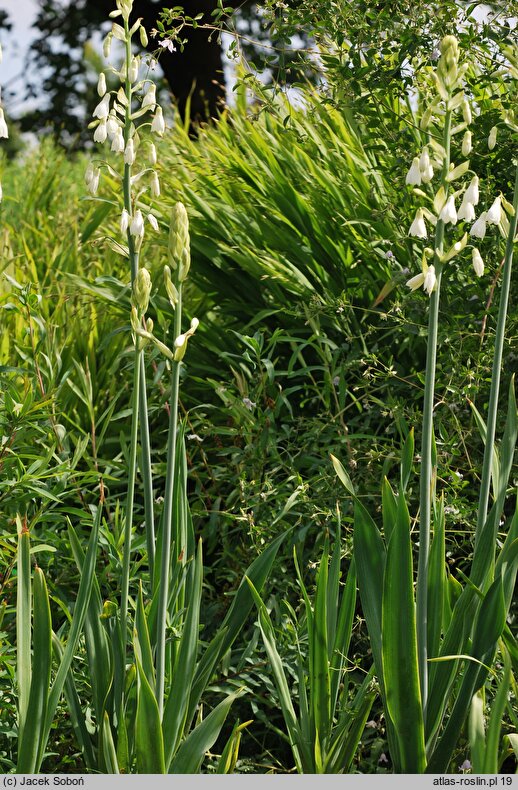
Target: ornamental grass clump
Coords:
[[433, 651]]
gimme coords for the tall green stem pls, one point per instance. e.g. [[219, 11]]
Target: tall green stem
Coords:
[[497, 367], [426, 480], [165, 564]]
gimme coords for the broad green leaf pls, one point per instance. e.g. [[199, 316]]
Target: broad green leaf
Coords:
[[496, 719], [23, 624], [436, 581], [476, 733], [342, 475], [149, 740], [319, 679], [109, 752], [407, 459], [388, 508], [34, 729]]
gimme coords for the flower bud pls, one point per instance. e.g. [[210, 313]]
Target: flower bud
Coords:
[[467, 144], [185, 264], [152, 154], [466, 112], [101, 84], [491, 140], [101, 132], [413, 177], [129, 152], [118, 32], [112, 125], [125, 220], [117, 145], [142, 290], [93, 184], [107, 45], [133, 69], [149, 99], [180, 344], [430, 280], [143, 36], [170, 287], [153, 221], [178, 234]]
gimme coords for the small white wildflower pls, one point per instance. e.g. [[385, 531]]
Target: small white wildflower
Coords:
[[427, 174], [153, 221], [494, 215], [137, 224], [478, 263], [449, 212], [467, 144], [167, 43], [418, 227], [149, 99], [103, 108], [466, 112], [466, 211], [478, 229], [250, 405], [125, 220], [118, 142], [158, 123], [471, 194], [193, 437], [491, 140], [4, 132], [155, 185], [129, 152], [101, 133], [429, 280], [413, 177], [101, 84]]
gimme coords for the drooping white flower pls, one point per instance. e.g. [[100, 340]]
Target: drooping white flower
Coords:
[[478, 229], [112, 125], [430, 279], [449, 212], [416, 282], [466, 211], [1, 193], [494, 215], [153, 221], [471, 194], [478, 263], [137, 224], [101, 133], [466, 112], [152, 154], [101, 84], [89, 172], [149, 99], [467, 144], [133, 69], [491, 140], [155, 185], [118, 142], [413, 177], [424, 160], [427, 175], [125, 220], [167, 43], [418, 227], [103, 108], [158, 123], [4, 132], [93, 183], [129, 152]]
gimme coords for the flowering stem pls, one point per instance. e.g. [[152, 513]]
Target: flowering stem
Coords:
[[165, 555], [497, 367], [427, 472]]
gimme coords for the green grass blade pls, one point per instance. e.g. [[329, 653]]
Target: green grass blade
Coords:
[[399, 647], [347, 734], [149, 740], [23, 624], [370, 557], [189, 756], [343, 634], [143, 642], [389, 508], [33, 732]]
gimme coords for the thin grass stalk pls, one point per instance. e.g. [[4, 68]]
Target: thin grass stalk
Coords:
[[145, 468], [497, 368], [167, 517], [425, 497]]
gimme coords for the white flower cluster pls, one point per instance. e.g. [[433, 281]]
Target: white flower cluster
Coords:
[[4, 132], [115, 116], [451, 99]]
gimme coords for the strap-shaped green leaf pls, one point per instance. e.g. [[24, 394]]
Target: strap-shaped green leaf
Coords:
[[23, 624], [149, 740], [399, 647]]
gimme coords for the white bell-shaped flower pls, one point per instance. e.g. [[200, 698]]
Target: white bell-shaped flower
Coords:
[[478, 263], [478, 229], [430, 279], [149, 99], [103, 108], [418, 227], [117, 145], [449, 212], [466, 211], [416, 282], [153, 221], [413, 177], [101, 133], [155, 185], [467, 144], [129, 152], [471, 194], [125, 220], [137, 224], [3, 126], [494, 215], [158, 123]]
